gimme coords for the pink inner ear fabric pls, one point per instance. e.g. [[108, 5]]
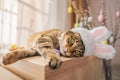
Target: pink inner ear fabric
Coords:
[[98, 33], [103, 49]]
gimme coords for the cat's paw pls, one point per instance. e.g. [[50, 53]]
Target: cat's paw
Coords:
[[9, 58], [55, 62]]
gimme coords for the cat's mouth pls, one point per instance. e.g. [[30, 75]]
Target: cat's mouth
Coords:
[[75, 53], [66, 52]]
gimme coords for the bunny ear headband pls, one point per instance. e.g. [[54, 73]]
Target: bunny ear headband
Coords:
[[92, 40]]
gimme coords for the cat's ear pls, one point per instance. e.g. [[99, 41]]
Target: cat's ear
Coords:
[[77, 34], [104, 51], [60, 34], [100, 33], [68, 32]]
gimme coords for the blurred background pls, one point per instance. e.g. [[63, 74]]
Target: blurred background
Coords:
[[21, 18]]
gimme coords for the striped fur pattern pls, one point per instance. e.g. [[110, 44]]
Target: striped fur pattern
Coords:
[[43, 43]]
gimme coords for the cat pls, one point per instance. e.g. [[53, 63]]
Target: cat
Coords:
[[69, 43]]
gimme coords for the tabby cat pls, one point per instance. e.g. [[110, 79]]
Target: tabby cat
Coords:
[[69, 43]]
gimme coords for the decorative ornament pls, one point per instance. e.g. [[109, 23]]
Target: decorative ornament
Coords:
[[90, 19], [13, 47], [105, 42], [81, 24], [70, 7], [101, 17], [111, 40], [118, 13], [76, 25]]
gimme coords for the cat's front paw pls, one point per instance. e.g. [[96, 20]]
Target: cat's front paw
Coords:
[[9, 58], [55, 62]]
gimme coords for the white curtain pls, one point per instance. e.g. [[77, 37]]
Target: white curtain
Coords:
[[55, 15], [59, 17], [32, 16], [8, 22]]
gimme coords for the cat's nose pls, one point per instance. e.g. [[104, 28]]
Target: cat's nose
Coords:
[[67, 50]]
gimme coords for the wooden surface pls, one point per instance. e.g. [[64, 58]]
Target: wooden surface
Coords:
[[7, 75], [27, 70], [36, 68], [87, 68]]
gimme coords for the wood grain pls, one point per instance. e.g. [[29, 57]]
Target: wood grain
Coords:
[[36, 68], [7, 75], [87, 68]]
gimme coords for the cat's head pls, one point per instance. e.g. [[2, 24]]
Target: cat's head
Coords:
[[71, 44]]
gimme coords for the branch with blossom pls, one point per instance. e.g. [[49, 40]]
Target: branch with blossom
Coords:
[[114, 37], [83, 18]]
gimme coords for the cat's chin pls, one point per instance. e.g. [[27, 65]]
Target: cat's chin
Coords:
[[64, 53]]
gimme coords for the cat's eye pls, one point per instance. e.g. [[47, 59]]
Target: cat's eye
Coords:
[[76, 53], [71, 41]]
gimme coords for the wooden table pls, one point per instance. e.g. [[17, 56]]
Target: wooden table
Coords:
[[36, 68]]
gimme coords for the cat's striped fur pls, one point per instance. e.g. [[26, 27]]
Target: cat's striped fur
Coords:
[[44, 43]]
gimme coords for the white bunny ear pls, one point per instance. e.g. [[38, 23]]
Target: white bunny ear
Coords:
[[104, 51], [100, 33]]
